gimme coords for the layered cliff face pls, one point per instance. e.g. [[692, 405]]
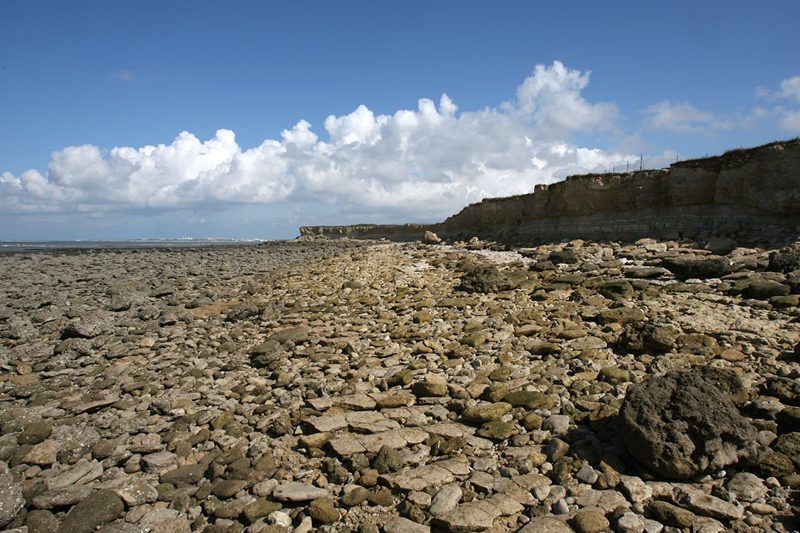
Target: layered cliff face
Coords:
[[750, 195]]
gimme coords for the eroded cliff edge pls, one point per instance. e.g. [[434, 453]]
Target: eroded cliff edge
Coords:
[[751, 195]]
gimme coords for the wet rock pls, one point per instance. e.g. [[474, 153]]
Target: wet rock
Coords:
[[680, 425]]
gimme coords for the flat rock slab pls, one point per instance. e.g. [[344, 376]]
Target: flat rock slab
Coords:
[[478, 515], [706, 504], [351, 443], [450, 430], [294, 491], [359, 421], [83, 472], [546, 524], [435, 474], [404, 525]]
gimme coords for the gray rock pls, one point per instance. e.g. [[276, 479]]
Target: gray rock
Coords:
[[680, 425], [88, 326], [62, 497], [11, 498], [670, 514], [630, 523], [294, 491], [546, 524], [707, 505], [295, 335], [165, 521], [445, 500], [747, 487], [404, 525], [557, 424], [136, 491], [586, 474], [42, 522], [186, 474], [477, 515]]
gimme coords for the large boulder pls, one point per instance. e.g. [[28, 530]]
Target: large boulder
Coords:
[[696, 267], [786, 259], [484, 278], [681, 425]]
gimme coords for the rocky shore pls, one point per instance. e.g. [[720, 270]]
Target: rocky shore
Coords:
[[352, 386]]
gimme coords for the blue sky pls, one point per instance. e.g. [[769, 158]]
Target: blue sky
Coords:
[[248, 119]]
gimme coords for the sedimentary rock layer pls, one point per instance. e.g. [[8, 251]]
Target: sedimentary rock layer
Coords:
[[750, 195]]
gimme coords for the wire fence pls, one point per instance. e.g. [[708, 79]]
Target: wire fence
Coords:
[[642, 163]]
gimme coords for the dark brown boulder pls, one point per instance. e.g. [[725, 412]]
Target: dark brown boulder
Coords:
[[701, 268], [680, 425]]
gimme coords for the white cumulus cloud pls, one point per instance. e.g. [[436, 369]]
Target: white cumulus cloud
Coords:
[[789, 90], [420, 164], [683, 117]]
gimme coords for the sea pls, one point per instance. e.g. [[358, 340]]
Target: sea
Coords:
[[54, 246]]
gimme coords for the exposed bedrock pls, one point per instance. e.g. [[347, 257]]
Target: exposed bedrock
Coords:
[[751, 195]]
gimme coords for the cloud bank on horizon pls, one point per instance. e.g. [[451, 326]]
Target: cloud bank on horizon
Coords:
[[421, 164]]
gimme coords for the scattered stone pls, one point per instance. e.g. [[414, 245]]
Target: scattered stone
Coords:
[[323, 511], [348, 387], [433, 385], [388, 460], [404, 525], [445, 500], [486, 412], [590, 521], [293, 491]]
